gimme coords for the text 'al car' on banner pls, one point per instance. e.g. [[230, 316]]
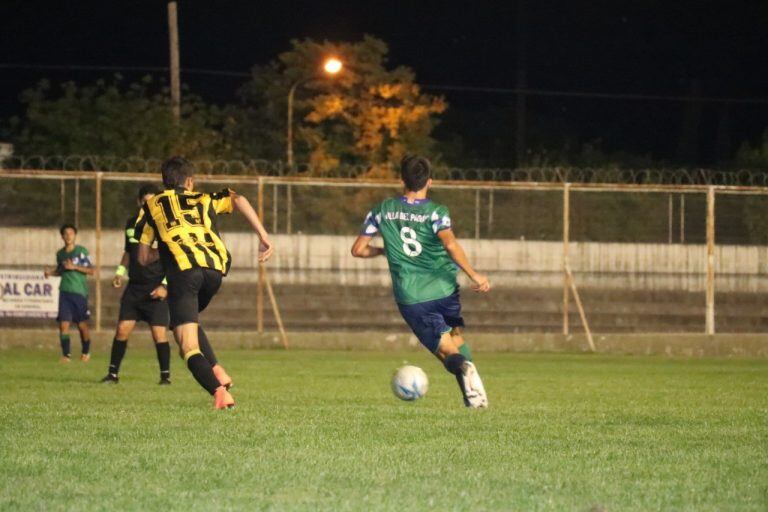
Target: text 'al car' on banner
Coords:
[[29, 294]]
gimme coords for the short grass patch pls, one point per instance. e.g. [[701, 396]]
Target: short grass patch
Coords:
[[321, 430]]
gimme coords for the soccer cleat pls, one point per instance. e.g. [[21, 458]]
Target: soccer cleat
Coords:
[[472, 387], [224, 379], [111, 378], [65, 360], [165, 381], [85, 358], [222, 399]]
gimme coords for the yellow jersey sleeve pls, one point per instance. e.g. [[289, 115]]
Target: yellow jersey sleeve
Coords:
[[222, 201], [144, 230]]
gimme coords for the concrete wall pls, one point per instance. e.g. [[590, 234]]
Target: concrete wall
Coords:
[[624, 287], [317, 259], [670, 345]]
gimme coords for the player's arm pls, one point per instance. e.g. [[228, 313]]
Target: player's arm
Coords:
[[146, 235], [83, 269], [55, 271], [161, 291], [242, 205], [362, 248], [122, 270], [457, 254], [69, 265]]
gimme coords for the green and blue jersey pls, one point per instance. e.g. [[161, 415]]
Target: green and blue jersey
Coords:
[[73, 281], [421, 268]]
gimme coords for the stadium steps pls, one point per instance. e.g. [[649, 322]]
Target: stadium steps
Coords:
[[356, 308]]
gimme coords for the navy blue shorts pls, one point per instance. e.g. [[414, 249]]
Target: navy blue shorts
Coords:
[[73, 307], [430, 320]]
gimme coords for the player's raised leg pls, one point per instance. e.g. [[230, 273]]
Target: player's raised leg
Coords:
[[210, 355], [117, 353], [188, 293], [211, 285], [186, 337], [465, 371], [457, 335]]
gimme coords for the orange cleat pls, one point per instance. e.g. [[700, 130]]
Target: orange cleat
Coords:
[[222, 399], [85, 357], [65, 360], [224, 379]]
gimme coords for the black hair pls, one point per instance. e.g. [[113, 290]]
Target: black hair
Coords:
[[147, 188], [65, 227], [415, 172], [176, 170]]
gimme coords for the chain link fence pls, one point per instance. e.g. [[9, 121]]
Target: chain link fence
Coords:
[[643, 257], [256, 167]]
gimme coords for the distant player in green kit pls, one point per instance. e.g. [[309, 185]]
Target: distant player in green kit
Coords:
[[72, 264], [423, 256]]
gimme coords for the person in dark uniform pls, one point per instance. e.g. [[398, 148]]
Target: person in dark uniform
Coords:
[[143, 299]]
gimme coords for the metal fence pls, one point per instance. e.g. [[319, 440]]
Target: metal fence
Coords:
[[260, 167], [641, 257]]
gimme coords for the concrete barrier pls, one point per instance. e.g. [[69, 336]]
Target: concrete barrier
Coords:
[[671, 345], [625, 287], [308, 258]]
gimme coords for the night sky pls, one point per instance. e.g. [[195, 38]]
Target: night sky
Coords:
[[640, 47]]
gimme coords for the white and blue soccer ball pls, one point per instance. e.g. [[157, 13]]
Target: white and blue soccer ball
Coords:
[[410, 383]]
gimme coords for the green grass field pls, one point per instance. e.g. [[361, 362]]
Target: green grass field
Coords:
[[321, 430]]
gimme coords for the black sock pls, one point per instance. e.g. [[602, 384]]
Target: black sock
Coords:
[[164, 358], [118, 352], [205, 346], [454, 362], [65, 349], [202, 372], [86, 344]]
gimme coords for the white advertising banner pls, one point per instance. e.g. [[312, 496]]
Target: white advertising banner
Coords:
[[28, 293]]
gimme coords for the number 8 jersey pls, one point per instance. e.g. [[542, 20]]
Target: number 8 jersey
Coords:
[[184, 225], [420, 266]]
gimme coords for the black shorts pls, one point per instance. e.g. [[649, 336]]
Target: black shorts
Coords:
[[136, 304], [190, 292]]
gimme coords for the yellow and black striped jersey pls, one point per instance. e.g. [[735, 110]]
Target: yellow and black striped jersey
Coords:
[[184, 225]]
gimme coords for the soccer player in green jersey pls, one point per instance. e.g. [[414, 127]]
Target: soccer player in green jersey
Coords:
[[72, 264], [423, 256]]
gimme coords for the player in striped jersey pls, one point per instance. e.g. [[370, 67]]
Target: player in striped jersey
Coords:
[[194, 257]]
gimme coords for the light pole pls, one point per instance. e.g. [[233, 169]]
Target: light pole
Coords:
[[331, 66], [173, 37]]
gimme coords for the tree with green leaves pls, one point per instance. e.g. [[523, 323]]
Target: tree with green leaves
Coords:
[[753, 156], [366, 114], [112, 118]]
